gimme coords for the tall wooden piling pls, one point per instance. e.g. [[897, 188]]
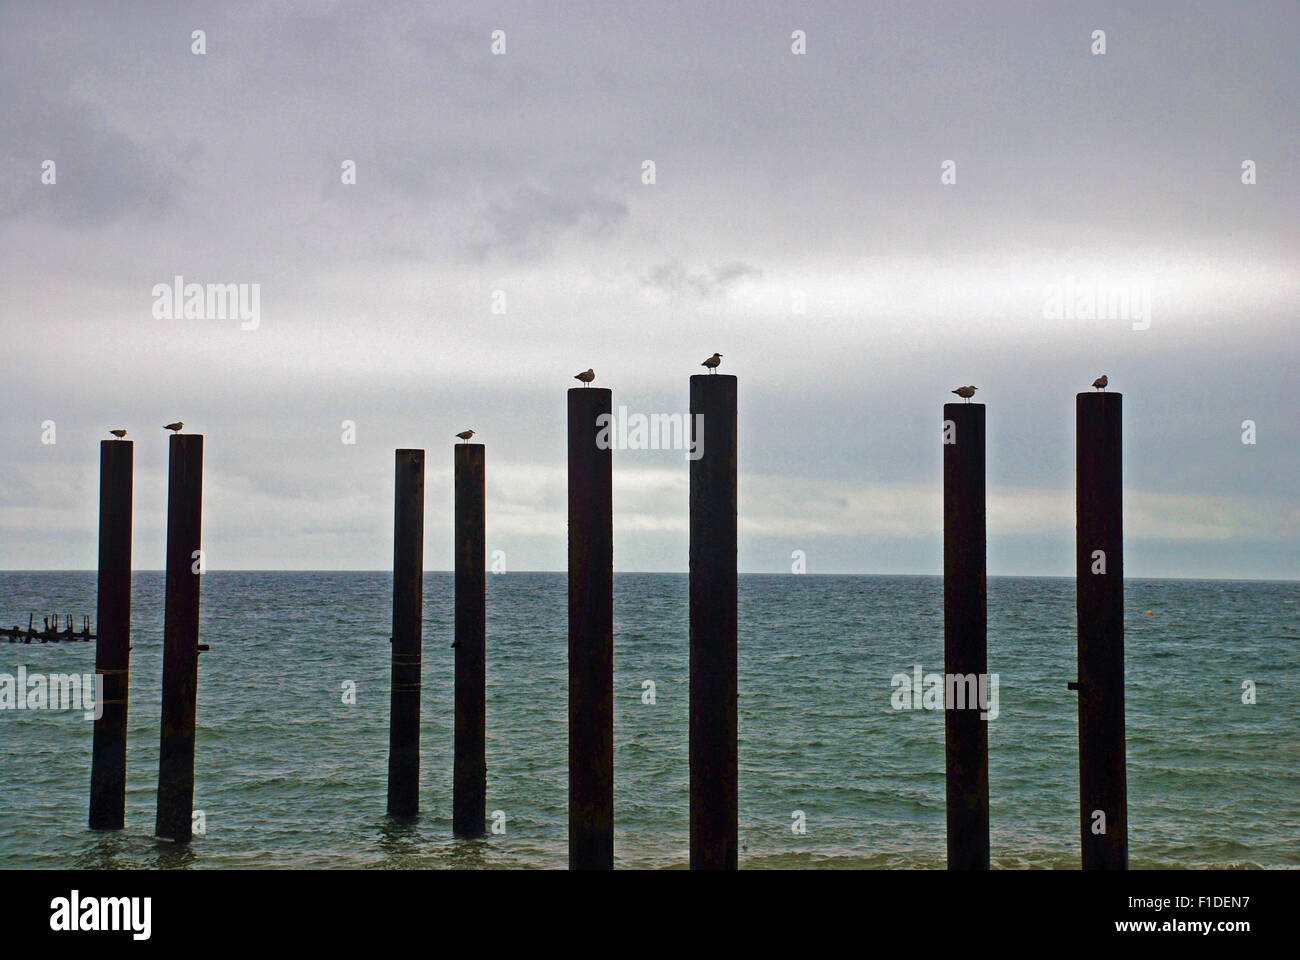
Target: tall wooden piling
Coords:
[[113, 636], [180, 678], [469, 775], [713, 755], [1099, 566], [591, 631], [408, 606], [965, 654]]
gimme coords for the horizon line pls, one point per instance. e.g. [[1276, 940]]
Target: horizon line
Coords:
[[680, 573]]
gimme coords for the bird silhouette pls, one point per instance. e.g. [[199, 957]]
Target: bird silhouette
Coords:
[[966, 392], [118, 433], [1100, 382], [465, 435], [586, 376], [173, 427], [712, 362]]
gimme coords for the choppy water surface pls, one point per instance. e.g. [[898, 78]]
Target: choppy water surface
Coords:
[[289, 776]]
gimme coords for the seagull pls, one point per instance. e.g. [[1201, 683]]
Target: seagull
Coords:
[[1100, 382], [586, 376], [118, 433], [465, 435], [966, 392], [173, 427], [712, 362]]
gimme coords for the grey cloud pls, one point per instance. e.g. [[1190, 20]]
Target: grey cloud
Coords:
[[102, 174], [676, 280], [528, 224]]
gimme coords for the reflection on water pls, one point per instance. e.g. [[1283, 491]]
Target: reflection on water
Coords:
[[173, 856], [110, 850], [400, 842], [467, 853]]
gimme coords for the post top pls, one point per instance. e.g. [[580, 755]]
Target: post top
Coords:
[[1115, 394], [594, 391], [459, 445], [712, 376]]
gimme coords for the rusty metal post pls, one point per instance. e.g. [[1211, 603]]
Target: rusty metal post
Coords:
[[469, 774], [113, 636], [591, 632], [965, 652], [180, 678], [1099, 569], [408, 606], [714, 777]]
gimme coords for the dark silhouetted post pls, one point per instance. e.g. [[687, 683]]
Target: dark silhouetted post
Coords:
[[113, 643], [591, 631], [965, 654], [1099, 565], [408, 606], [713, 759], [180, 678], [469, 776]]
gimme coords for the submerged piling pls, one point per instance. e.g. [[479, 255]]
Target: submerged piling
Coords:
[[591, 631], [469, 773], [713, 624], [113, 636], [408, 605], [965, 652], [180, 638], [1099, 566]]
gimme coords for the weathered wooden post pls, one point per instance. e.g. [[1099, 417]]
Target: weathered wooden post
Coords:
[[180, 678], [713, 755], [965, 655], [408, 606], [1099, 567], [591, 631], [113, 636], [469, 773]]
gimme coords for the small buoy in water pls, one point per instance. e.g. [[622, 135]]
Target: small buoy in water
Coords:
[[1150, 612]]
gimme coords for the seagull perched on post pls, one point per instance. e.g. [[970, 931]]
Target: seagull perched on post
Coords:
[[712, 362], [966, 392], [465, 435], [173, 427], [586, 376], [118, 433], [1100, 382]]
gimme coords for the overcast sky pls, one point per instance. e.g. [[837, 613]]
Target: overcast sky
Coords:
[[782, 181]]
